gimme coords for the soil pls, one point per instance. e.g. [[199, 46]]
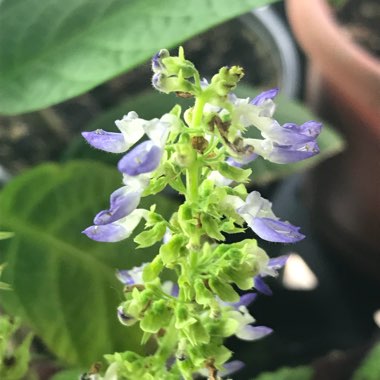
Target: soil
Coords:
[[361, 18], [32, 138]]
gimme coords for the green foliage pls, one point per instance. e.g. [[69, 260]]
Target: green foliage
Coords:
[[14, 360], [6, 235], [53, 50], [370, 368], [70, 374], [64, 285], [297, 373]]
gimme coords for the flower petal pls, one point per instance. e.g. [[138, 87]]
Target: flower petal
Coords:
[[284, 154], [278, 262], [107, 141], [131, 276], [275, 230], [123, 202], [231, 367], [132, 128], [261, 286], [245, 300], [116, 231], [250, 333], [261, 98], [144, 158], [109, 233]]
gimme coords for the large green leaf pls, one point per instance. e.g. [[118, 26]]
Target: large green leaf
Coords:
[[52, 50], [153, 104], [296, 373], [63, 284]]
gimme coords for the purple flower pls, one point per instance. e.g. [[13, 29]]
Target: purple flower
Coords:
[[118, 230], [245, 300], [108, 141], [123, 202], [125, 318], [264, 96], [131, 130], [280, 144], [132, 276], [228, 369], [144, 158], [258, 214], [274, 265], [250, 332]]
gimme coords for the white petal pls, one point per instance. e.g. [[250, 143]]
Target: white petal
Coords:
[[132, 128], [218, 179]]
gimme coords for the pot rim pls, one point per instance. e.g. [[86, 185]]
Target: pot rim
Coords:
[[342, 61]]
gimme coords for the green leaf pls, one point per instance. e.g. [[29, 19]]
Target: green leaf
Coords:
[[224, 290], [237, 174], [149, 237], [296, 373], [369, 369], [53, 50], [64, 284], [68, 374], [6, 235], [211, 227], [170, 251]]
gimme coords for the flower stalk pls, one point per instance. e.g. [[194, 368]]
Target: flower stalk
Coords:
[[215, 281]]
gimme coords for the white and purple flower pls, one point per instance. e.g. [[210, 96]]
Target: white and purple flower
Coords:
[[274, 265], [258, 214], [282, 143], [119, 221]]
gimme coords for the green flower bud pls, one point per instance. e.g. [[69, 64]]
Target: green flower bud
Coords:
[[224, 290], [183, 319], [185, 155], [231, 172], [171, 251], [211, 227], [153, 269], [156, 317], [203, 296], [148, 238], [186, 220], [226, 79], [196, 333]]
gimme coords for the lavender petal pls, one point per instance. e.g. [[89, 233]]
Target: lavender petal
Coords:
[[107, 141], [250, 333], [107, 233], [144, 158], [245, 300], [261, 98], [261, 286], [231, 367], [283, 154], [275, 230], [123, 202], [278, 262]]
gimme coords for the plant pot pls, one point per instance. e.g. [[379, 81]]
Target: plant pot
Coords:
[[343, 86]]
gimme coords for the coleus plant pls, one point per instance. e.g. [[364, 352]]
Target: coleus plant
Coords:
[[201, 154]]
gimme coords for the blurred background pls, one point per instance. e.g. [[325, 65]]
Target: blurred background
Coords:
[[67, 69]]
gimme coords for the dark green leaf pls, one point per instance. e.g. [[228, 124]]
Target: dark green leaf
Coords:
[[6, 235], [52, 50], [63, 283], [297, 373]]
